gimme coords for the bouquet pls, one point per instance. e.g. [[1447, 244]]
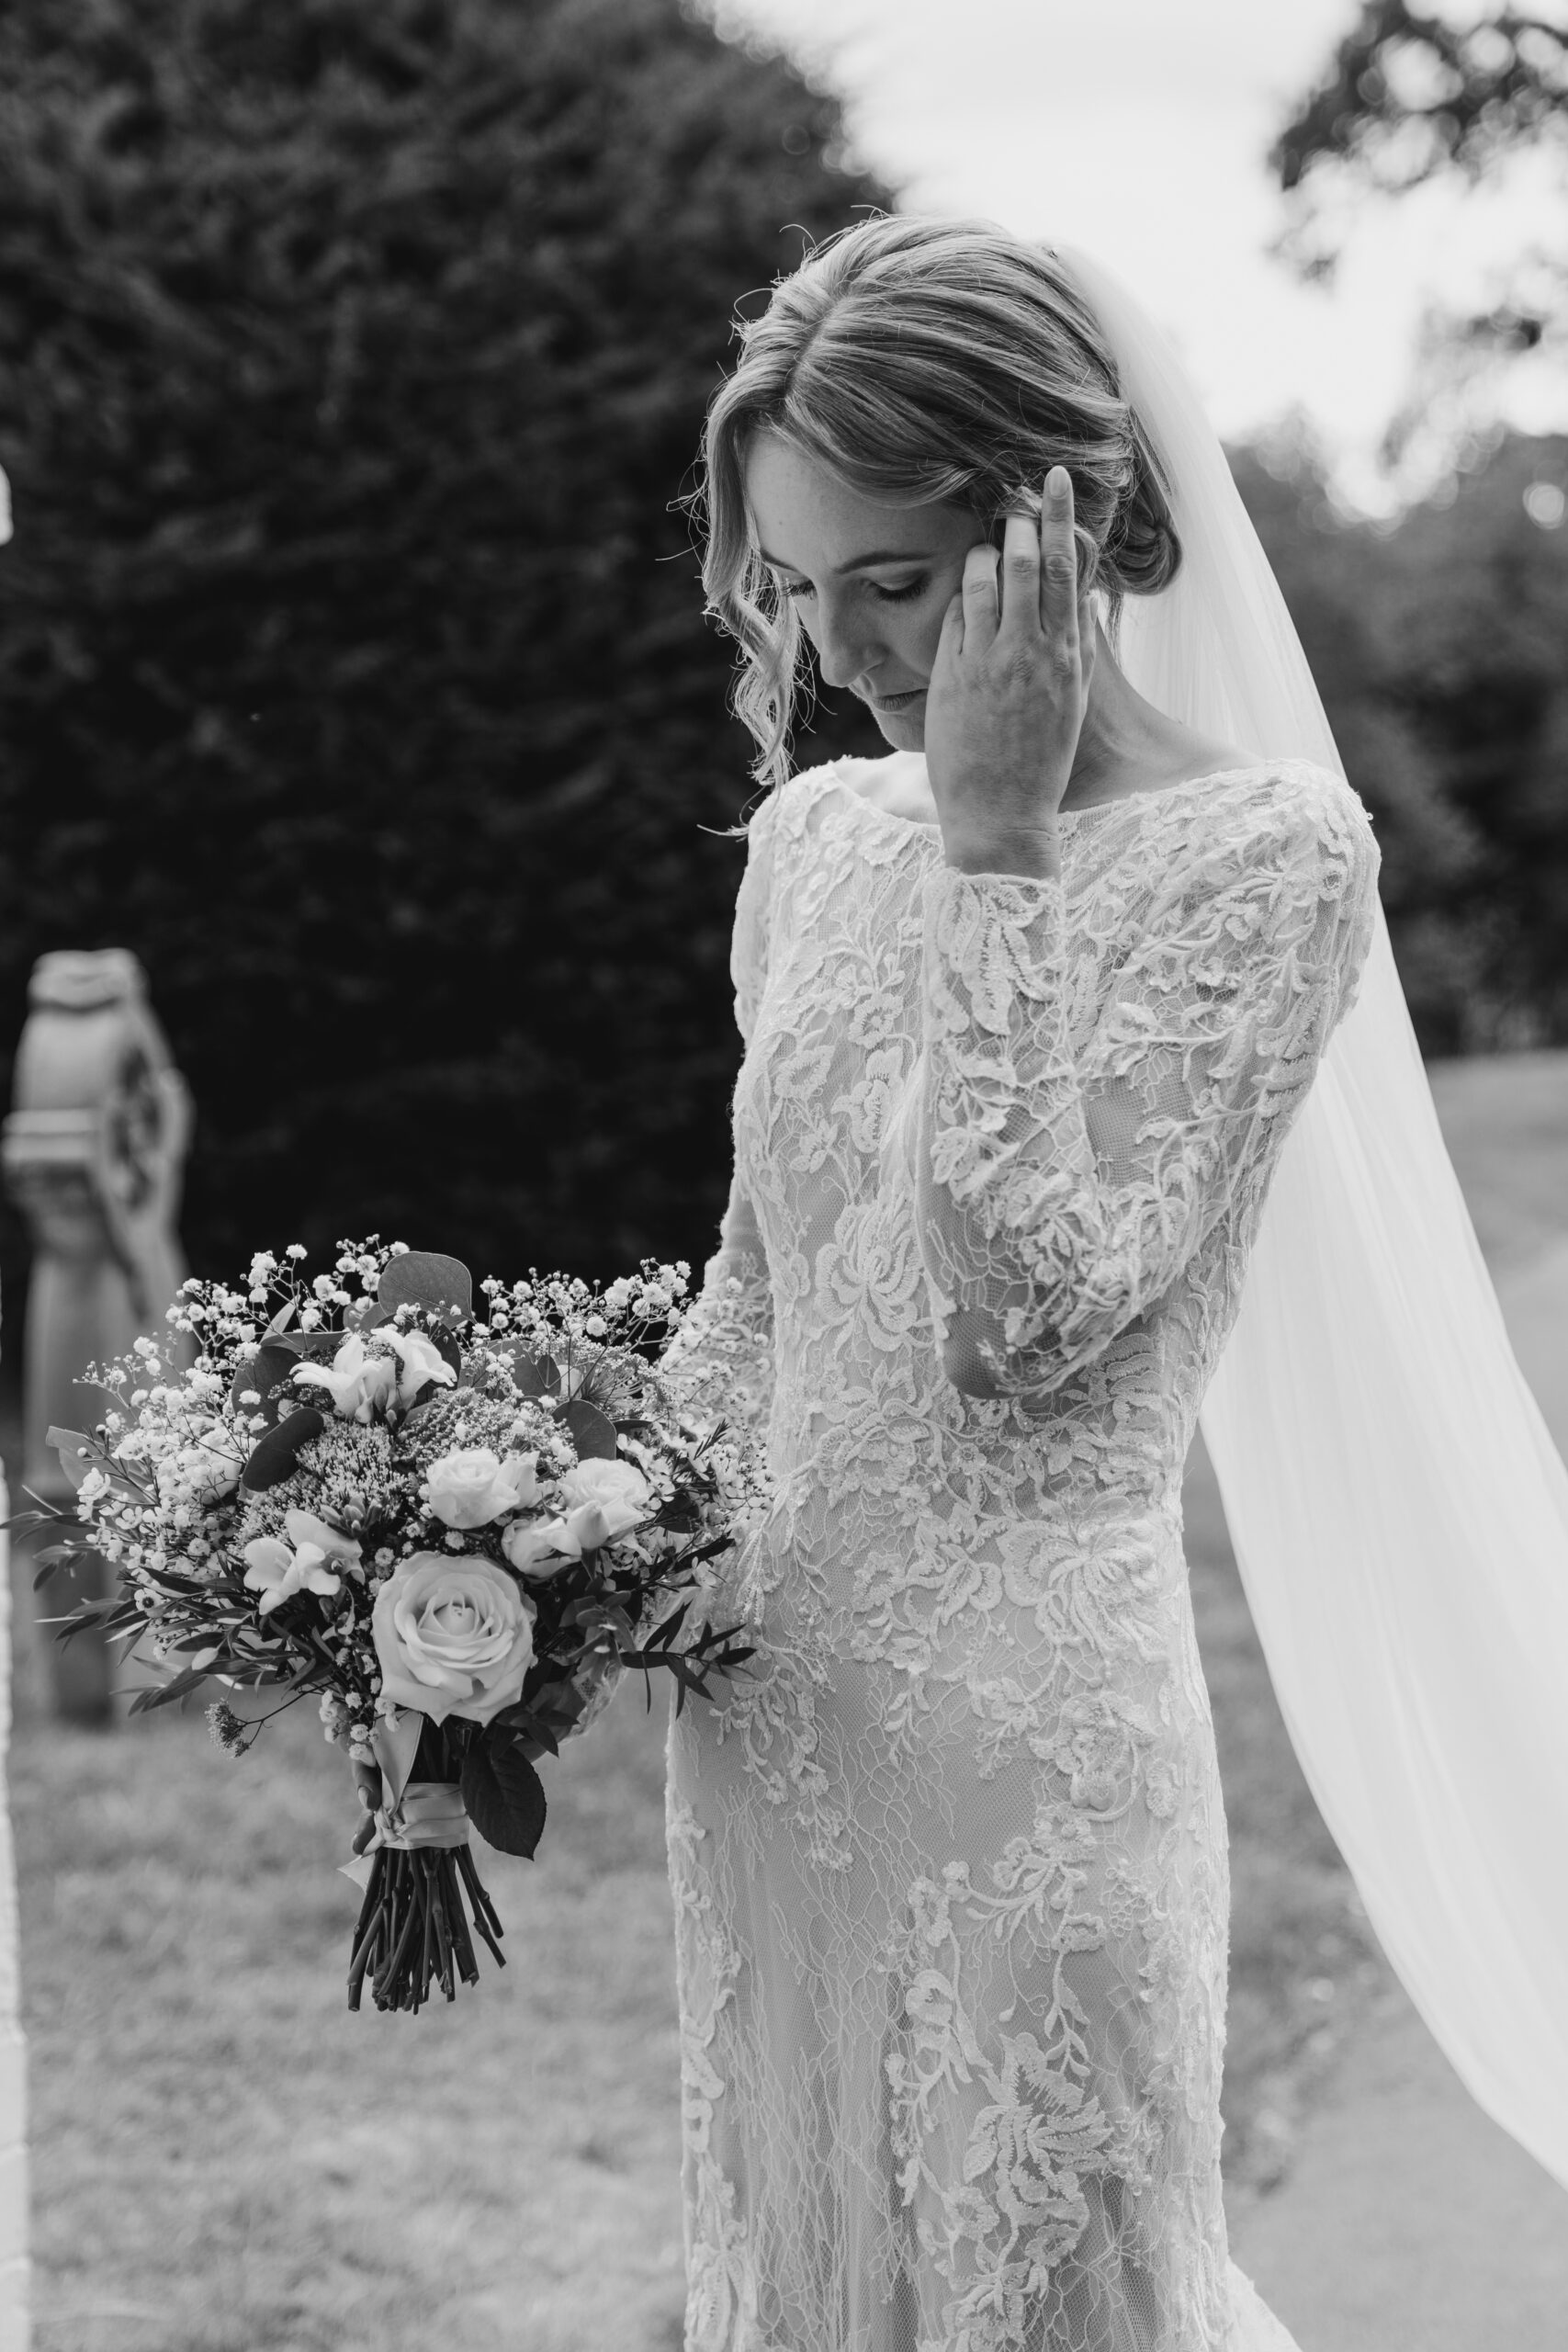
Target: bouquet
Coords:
[[459, 1530]]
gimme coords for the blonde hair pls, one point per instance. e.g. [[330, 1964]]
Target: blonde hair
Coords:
[[922, 361]]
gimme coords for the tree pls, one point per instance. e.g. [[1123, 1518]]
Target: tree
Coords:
[[353, 354], [1436, 648], [1408, 95], [1409, 98]]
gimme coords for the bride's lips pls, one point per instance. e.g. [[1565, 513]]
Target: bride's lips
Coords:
[[896, 702]]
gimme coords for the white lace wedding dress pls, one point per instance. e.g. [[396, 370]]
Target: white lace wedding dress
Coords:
[[950, 1869]]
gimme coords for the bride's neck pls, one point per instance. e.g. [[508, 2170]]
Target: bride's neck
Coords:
[[1124, 739]]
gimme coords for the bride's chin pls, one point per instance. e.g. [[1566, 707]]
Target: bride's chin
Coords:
[[905, 729]]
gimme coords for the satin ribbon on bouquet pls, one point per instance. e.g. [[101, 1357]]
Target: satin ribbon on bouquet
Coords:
[[413, 1812]]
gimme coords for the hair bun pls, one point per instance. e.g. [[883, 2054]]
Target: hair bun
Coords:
[[1142, 550]]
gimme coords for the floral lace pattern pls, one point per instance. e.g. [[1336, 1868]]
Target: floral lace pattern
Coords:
[[950, 1864]]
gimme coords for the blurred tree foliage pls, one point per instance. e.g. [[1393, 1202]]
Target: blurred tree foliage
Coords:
[[1438, 649], [1410, 93], [352, 670], [1413, 95]]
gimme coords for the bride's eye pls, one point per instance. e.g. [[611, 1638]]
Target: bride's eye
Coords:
[[797, 588]]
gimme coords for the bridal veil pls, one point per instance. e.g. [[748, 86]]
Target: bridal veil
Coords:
[[1399, 1510]]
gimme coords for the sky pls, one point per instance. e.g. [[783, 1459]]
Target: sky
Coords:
[[1140, 128]]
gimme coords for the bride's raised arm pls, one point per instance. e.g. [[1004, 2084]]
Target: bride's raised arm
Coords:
[[1062, 1194]]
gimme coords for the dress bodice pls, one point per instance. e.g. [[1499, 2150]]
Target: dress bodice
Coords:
[[1001, 1143]]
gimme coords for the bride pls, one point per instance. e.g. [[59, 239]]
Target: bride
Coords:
[[1032, 1006]]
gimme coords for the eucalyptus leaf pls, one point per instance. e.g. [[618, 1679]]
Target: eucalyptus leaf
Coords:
[[427, 1278], [593, 1432], [311, 1343], [274, 1456], [535, 1376], [266, 1372], [365, 1315]]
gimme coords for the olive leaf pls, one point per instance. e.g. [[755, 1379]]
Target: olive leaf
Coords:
[[76, 1452]]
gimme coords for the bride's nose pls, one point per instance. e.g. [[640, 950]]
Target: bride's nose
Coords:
[[845, 650]]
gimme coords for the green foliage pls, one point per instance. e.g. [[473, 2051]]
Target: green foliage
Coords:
[[1410, 97], [1438, 647], [353, 354], [1409, 93]]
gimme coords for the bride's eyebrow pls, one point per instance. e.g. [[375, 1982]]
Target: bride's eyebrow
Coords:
[[860, 562]]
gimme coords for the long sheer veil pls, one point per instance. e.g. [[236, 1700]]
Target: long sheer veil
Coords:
[[1399, 1510]]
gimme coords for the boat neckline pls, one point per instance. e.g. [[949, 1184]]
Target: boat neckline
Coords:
[[831, 775]]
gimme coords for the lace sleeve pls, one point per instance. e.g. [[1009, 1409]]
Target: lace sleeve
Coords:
[[721, 1359], [1058, 1202]]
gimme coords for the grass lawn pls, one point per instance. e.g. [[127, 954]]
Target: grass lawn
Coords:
[[224, 2160]]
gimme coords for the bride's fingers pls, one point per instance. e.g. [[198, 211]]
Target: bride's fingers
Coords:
[[980, 595], [1020, 569], [1058, 564]]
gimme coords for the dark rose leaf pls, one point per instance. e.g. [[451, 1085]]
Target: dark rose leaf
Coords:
[[503, 1795]]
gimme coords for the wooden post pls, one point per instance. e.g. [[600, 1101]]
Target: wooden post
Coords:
[[92, 1156]]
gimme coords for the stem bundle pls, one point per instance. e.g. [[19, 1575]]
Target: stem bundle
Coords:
[[412, 1929]]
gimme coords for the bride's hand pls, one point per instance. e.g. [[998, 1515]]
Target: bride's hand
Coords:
[[1008, 692]]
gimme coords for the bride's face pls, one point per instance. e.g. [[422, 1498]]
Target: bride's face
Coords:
[[871, 582]]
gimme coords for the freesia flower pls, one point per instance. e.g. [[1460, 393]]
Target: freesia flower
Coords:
[[419, 1362], [453, 1636], [277, 1571], [362, 1384], [472, 1485], [304, 1527]]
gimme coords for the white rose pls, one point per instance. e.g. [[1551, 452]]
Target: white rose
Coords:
[[453, 1637], [619, 1489], [473, 1486], [361, 1385], [540, 1547]]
